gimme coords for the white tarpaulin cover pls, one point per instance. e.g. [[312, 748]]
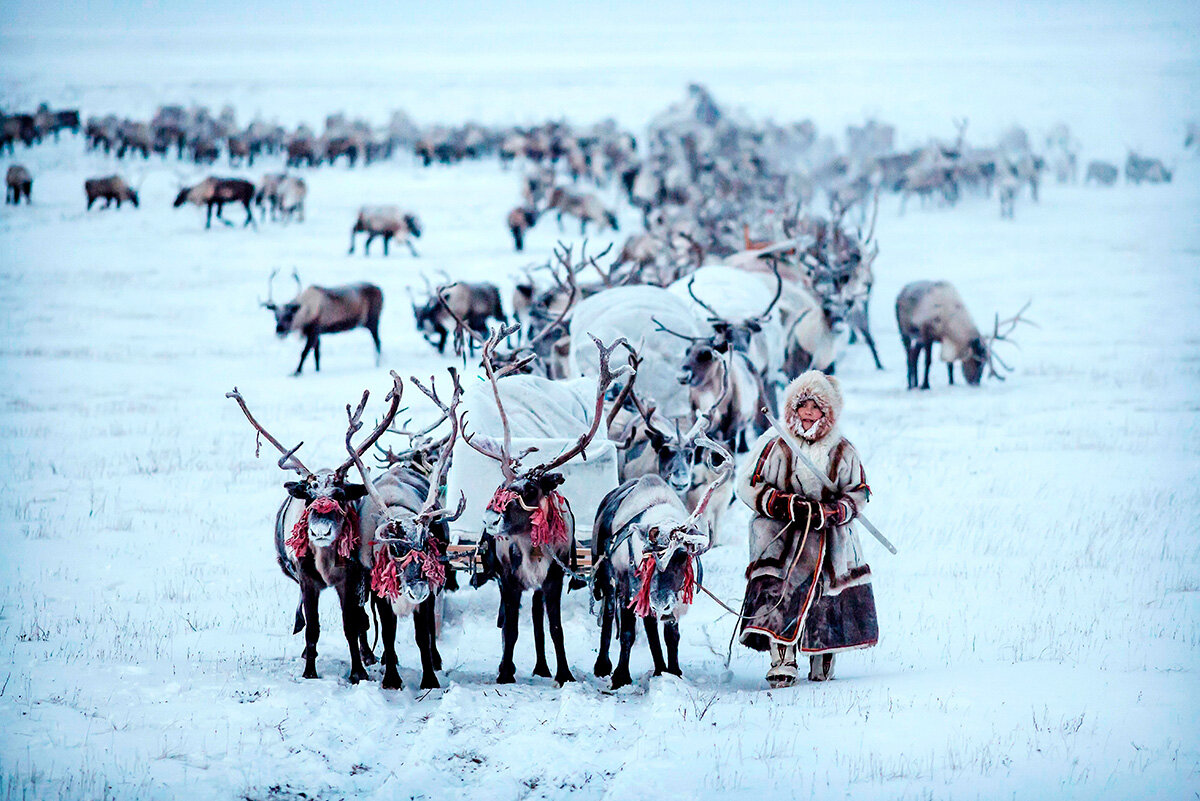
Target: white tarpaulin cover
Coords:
[[548, 415]]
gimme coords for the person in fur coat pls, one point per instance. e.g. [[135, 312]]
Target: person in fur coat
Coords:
[[808, 588]]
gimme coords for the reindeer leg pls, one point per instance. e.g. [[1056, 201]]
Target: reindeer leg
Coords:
[[928, 362], [374, 331], [352, 233], [510, 601], [553, 592], [910, 353], [249, 215], [671, 633], [950, 372], [309, 597], [607, 612], [308, 343], [424, 628], [387, 238], [387, 624], [626, 634], [208, 220], [650, 623], [412, 248], [540, 668], [367, 246], [350, 627], [317, 352]]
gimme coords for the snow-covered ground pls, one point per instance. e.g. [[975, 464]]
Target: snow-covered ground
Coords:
[[1040, 625]]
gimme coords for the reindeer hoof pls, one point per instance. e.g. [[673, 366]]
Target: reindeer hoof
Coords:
[[430, 682], [311, 673], [621, 679], [603, 667], [368, 658], [563, 676], [506, 679], [392, 681], [358, 675], [541, 670]]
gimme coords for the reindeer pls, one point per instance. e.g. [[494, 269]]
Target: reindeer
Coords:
[[587, 208], [1102, 173], [520, 220], [266, 196], [291, 194], [317, 539], [17, 182], [216, 192], [646, 548], [933, 311], [528, 529], [402, 530], [111, 187], [1138, 169], [465, 307], [387, 222], [326, 310]]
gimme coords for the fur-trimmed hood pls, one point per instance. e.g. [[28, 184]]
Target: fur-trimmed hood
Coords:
[[825, 391]]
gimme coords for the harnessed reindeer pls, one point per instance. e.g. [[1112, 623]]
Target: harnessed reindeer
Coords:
[[528, 528], [316, 542], [403, 541], [646, 549]]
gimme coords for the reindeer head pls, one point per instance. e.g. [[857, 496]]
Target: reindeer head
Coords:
[[409, 561], [666, 577], [413, 224], [285, 313], [329, 499], [527, 503]]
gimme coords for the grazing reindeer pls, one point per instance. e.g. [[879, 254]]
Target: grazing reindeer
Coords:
[[586, 208], [462, 306], [1102, 173], [316, 541], [520, 220], [291, 194], [385, 221], [326, 310], [217, 192], [112, 187], [266, 196], [403, 542], [1138, 169], [928, 312], [646, 548], [17, 182], [529, 527]]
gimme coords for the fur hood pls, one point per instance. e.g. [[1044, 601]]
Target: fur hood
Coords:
[[825, 390]]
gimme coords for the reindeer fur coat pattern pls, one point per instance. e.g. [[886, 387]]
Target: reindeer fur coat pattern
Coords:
[[807, 586]]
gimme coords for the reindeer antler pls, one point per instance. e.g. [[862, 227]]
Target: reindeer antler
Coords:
[[504, 456], [774, 262], [430, 510], [658, 326], [354, 423], [1011, 323], [606, 377], [715, 314], [394, 395], [286, 462]]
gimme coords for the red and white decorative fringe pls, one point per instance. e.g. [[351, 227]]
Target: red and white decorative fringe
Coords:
[[640, 603], [347, 539], [549, 527], [385, 579]]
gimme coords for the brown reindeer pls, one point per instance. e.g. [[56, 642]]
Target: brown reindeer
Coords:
[[215, 192], [17, 182], [110, 188], [317, 538], [586, 208], [327, 310], [520, 220], [932, 311], [528, 529], [387, 222], [462, 307]]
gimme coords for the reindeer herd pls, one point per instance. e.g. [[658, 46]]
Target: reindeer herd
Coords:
[[754, 262]]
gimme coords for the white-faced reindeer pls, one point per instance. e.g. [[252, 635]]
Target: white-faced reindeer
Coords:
[[932, 311], [402, 527], [387, 222], [528, 528], [326, 310], [723, 381], [646, 549], [317, 540]]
